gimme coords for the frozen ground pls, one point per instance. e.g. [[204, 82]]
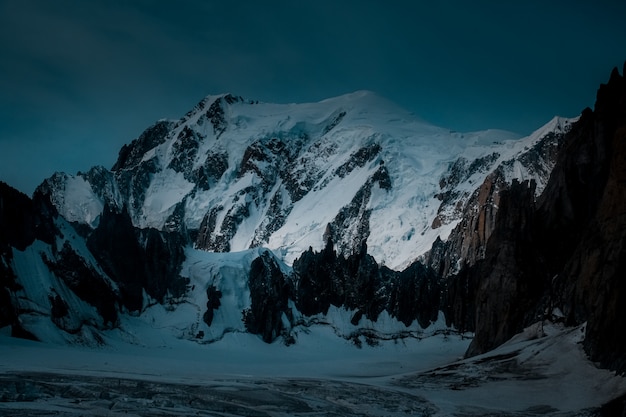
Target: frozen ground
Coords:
[[320, 375]]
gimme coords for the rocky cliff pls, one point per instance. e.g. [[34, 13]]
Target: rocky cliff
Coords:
[[477, 207], [62, 281], [565, 252]]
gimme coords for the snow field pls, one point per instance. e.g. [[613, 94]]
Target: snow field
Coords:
[[529, 375]]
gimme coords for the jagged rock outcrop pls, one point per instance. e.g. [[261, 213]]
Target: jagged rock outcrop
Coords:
[[508, 287], [131, 155], [477, 210], [566, 250], [138, 260], [17, 222], [33, 244], [600, 264], [466, 244], [85, 282], [269, 293], [213, 296], [357, 282], [586, 205], [88, 275], [18, 218], [415, 293], [351, 225]]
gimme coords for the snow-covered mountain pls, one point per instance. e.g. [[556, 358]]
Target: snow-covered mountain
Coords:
[[234, 174], [247, 216], [349, 219]]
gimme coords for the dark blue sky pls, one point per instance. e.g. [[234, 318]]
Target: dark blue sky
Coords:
[[80, 78]]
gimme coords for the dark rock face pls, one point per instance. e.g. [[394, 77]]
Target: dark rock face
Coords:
[[215, 165], [415, 293], [131, 155], [185, 149], [351, 226], [205, 238], [85, 282], [497, 295], [163, 256], [22, 221], [459, 299], [326, 278], [134, 183], [213, 303], [8, 315], [131, 260], [17, 218], [314, 280], [138, 260], [358, 159], [357, 282], [538, 160], [269, 293], [600, 264], [589, 192], [466, 244], [352, 223], [268, 159], [215, 114], [277, 213], [18, 230], [468, 240], [220, 241], [322, 279], [102, 182], [175, 221], [508, 287], [301, 173], [567, 250], [461, 170], [58, 310], [115, 246]]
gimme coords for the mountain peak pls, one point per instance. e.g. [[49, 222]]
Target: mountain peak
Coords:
[[556, 124], [370, 102], [357, 96], [236, 174]]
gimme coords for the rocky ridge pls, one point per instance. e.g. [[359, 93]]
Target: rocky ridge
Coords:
[[562, 255]]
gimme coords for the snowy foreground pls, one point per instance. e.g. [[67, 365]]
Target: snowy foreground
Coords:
[[320, 375]]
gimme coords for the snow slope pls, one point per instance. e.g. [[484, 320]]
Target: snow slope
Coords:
[[324, 375]]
